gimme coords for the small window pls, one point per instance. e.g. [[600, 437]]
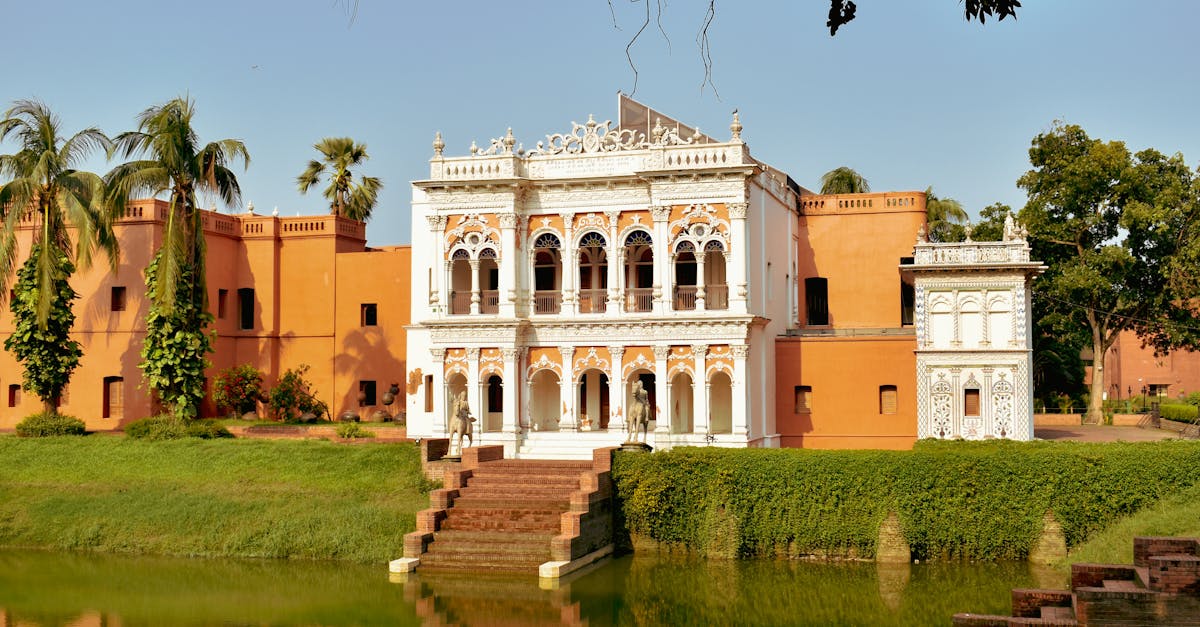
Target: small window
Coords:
[[14, 395], [908, 299], [366, 393], [887, 399], [222, 297], [246, 308], [816, 299], [117, 299], [970, 402], [368, 314], [803, 399], [428, 393]]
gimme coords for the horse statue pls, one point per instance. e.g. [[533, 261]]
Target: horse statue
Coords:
[[460, 423], [639, 413]]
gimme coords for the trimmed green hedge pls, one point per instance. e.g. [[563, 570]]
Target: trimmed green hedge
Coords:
[[1182, 413], [43, 425], [975, 500]]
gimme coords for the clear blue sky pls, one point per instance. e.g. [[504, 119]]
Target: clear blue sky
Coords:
[[909, 93]]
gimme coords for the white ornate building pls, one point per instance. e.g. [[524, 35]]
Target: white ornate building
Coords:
[[974, 349], [545, 282]]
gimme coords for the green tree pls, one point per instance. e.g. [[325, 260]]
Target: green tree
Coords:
[[990, 227], [946, 218], [347, 198], [45, 187], [1118, 232], [844, 180], [174, 162]]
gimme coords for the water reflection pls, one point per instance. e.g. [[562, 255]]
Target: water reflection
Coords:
[[50, 589]]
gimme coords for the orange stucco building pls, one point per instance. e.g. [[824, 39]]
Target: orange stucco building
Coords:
[[1131, 369], [283, 292]]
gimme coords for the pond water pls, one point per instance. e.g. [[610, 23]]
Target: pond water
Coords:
[[53, 589]]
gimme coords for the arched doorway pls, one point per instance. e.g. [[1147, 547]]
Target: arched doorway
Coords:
[[544, 401], [594, 398], [547, 274], [682, 413], [489, 282], [639, 271], [460, 282], [720, 403], [493, 404], [593, 273], [716, 290], [685, 276], [456, 383]]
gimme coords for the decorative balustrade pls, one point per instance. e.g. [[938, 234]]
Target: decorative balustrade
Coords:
[[971, 253], [716, 296], [835, 203], [490, 302], [547, 301], [685, 297], [593, 301], [639, 299], [460, 303]]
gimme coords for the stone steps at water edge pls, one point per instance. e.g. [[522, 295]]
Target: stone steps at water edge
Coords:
[[493, 537], [528, 502], [492, 520], [519, 494], [497, 563], [567, 482]]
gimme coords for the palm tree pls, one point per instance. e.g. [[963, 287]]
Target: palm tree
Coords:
[[946, 218], [844, 180], [175, 163], [346, 198], [44, 184]]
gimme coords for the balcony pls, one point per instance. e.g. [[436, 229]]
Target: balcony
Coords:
[[547, 301], [490, 303], [460, 303], [716, 297], [593, 301], [639, 299], [685, 297]]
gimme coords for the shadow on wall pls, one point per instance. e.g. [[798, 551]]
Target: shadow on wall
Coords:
[[365, 355]]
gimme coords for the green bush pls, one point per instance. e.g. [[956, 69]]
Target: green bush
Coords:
[[975, 500], [156, 428], [1182, 413], [293, 397], [238, 389], [43, 425], [207, 429], [353, 430]]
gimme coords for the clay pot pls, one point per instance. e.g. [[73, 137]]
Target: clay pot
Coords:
[[348, 416], [378, 416]]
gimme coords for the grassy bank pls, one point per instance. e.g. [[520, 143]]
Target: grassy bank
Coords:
[[1175, 515], [974, 500], [231, 498]]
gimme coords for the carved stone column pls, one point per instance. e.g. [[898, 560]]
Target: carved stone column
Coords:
[[616, 390], [508, 261], [512, 386], [570, 265], [700, 388], [741, 399], [475, 296], [439, 423], [700, 282], [614, 294], [474, 388], [739, 258], [662, 294], [662, 410], [567, 390], [437, 298]]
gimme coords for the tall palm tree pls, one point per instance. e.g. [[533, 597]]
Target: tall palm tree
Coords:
[[346, 198], [844, 180], [175, 163], [44, 184], [946, 218]]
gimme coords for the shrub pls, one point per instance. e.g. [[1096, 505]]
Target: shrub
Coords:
[[207, 429], [976, 500], [1182, 413], [238, 389], [156, 428], [43, 425], [1193, 399], [353, 430], [293, 397]]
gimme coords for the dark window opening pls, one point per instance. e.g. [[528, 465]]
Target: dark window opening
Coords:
[[14, 395], [908, 300], [369, 314], [366, 393], [118, 298], [816, 299], [970, 402], [246, 308], [428, 393], [493, 279], [887, 399], [114, 397], [222, 297], [803, 399], [495, 394]]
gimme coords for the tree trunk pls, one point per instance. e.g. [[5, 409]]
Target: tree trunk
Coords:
[[49, 406], [1095, 411]]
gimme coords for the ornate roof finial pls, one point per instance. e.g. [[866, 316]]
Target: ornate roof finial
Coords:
[[591, 123], [474, 148], [275, 211], [509, 141], [697, 136], [250, 207], [438, 144], [657, 132], [736, 127]]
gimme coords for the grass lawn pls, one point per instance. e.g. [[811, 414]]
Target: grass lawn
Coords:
[[1175, 515], [231, 498]]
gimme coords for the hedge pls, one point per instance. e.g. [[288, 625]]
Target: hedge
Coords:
[[43, 425], [969, 500], [1182, 413]]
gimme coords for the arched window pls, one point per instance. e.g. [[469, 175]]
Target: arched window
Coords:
[[547, 240], [638, 238]]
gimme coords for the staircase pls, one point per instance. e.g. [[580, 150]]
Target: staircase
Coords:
[[500, 515]]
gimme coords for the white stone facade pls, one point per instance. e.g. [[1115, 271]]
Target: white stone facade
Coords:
[[545, 283], [974, 349]]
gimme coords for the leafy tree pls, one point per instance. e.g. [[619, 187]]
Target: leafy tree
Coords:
[[844, 180], [990, 227], [946, 218], [1118, 231], [841, 12], [346, 197], [175, 163], [45, 186]]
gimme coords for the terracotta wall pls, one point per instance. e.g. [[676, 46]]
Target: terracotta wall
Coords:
[[845, 375], [1128, 366]]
